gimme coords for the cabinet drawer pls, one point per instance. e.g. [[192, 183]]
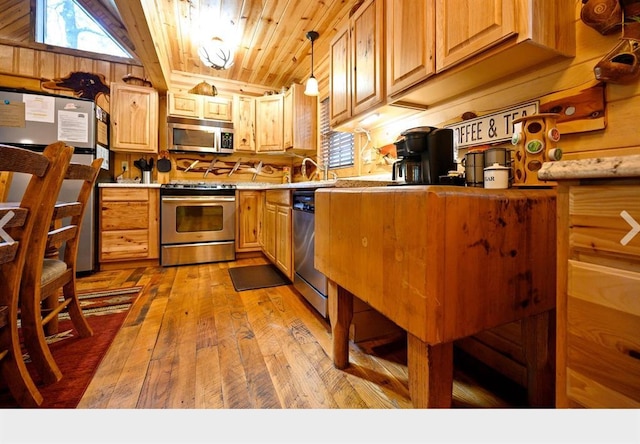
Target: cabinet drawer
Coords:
[[124, 216], [125, 194], [119, 245], [603, 321], [595, 218], [280, 197]]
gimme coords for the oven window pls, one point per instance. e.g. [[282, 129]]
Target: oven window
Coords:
[[194, 218]]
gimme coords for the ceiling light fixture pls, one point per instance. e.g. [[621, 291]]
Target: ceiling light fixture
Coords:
[[311, 88], [216, 54]]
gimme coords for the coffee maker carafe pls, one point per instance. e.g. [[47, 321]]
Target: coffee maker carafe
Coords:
[[425, 153]]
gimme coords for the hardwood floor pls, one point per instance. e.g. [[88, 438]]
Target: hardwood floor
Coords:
[[192, 342]]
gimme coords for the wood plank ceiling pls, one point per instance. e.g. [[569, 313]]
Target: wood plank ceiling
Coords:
[[272, 50]]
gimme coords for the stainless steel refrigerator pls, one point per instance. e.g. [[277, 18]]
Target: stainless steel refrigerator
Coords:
[[34, 120]]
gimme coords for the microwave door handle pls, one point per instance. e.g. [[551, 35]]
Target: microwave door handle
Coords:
[[216, 142]]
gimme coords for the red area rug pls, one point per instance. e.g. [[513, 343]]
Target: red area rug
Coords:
[[78, 358]]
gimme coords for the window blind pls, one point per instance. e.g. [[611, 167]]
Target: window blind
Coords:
[[336, 147]]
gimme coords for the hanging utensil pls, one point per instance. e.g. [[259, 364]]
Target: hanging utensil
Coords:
[[210, 167], [258, 168], [195, 162], [235, 167], [164, 163]]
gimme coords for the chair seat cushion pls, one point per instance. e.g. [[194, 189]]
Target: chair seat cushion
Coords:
[[51, 269]]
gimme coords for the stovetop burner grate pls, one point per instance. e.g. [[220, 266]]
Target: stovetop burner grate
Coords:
[[199, 185]]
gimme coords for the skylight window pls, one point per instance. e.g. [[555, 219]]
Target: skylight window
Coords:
[[67, 24]]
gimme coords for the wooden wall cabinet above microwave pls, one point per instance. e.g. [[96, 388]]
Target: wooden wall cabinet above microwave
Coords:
[[199, 106]]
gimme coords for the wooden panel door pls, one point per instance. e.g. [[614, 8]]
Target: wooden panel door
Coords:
[[367, 56], [410, 43], [269, 231], [216, 108], [269, 123], [339, 78], [248, 205], [134, 118], [283, 239], [464, 28], [188, 105], [244, 121]]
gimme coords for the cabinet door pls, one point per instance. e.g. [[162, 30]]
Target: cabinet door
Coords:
[[339, 78], [217, 108], [188, 105], [464, 28], [367, 50], [283, 239], [269, 123], [244, 111], [134, 118], [269, 231], [124, 224], [248, 224], [300, 119], [410, 45]]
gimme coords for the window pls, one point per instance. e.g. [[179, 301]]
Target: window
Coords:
[[336, 148], [65, 23]]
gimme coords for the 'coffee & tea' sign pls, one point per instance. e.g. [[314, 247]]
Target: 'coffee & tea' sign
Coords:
[[490, 128]]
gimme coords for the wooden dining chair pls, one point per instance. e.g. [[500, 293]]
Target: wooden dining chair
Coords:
[[17, 223], [46, 277]]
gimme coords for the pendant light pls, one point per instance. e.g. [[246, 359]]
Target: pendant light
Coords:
[[311, 89]]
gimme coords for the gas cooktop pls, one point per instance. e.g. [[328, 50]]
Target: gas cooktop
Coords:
[[199, 185]]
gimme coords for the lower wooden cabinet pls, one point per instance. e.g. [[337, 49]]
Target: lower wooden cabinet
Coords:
[[277, 229], [128, 224], [598, 344], [248, 214]]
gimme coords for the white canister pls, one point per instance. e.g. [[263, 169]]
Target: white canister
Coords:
[[496, 176]]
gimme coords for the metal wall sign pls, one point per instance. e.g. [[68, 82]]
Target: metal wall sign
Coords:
[[491, 128]]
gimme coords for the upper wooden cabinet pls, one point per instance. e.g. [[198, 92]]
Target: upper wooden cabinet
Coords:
[[269, 123], [356, 57], [244, 123], [478, 42], [134, 118], [199, 106], [464, 31], [300, 119], [409, 43]]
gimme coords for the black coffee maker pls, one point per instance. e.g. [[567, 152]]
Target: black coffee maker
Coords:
[[424, 154]]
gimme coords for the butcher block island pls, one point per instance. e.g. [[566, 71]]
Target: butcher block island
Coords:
[[443, 263]]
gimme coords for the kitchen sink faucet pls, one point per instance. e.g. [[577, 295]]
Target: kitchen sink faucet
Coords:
[[323, 168]]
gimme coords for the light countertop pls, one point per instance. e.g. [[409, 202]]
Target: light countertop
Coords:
[[338, 183], [595, 168]]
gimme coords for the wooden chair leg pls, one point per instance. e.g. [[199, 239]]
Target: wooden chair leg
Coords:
[[75, 312], [36, 343], [15, 373]]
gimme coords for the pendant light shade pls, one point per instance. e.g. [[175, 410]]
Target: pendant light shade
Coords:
[[311, 88]]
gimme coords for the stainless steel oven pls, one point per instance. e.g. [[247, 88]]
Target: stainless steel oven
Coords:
[[197, 223]]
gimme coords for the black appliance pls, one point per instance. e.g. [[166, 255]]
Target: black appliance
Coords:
[[424, 154]]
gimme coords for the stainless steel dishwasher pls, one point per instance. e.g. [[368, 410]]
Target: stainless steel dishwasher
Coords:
[[307, 280]]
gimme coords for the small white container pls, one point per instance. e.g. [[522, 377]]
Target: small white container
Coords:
[[496, 176], [146, 177]]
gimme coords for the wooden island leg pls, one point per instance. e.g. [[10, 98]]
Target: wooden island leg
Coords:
[[430, 373], [340, 316], [539, 333]]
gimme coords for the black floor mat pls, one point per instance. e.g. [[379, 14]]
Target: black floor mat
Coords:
[[257, 276]]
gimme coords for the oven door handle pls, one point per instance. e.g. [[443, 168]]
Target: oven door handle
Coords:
[[183, 199]]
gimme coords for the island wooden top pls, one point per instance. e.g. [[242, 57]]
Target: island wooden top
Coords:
[[442, 262]]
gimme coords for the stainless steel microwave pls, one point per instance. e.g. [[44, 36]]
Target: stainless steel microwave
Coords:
[[198, 135]]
